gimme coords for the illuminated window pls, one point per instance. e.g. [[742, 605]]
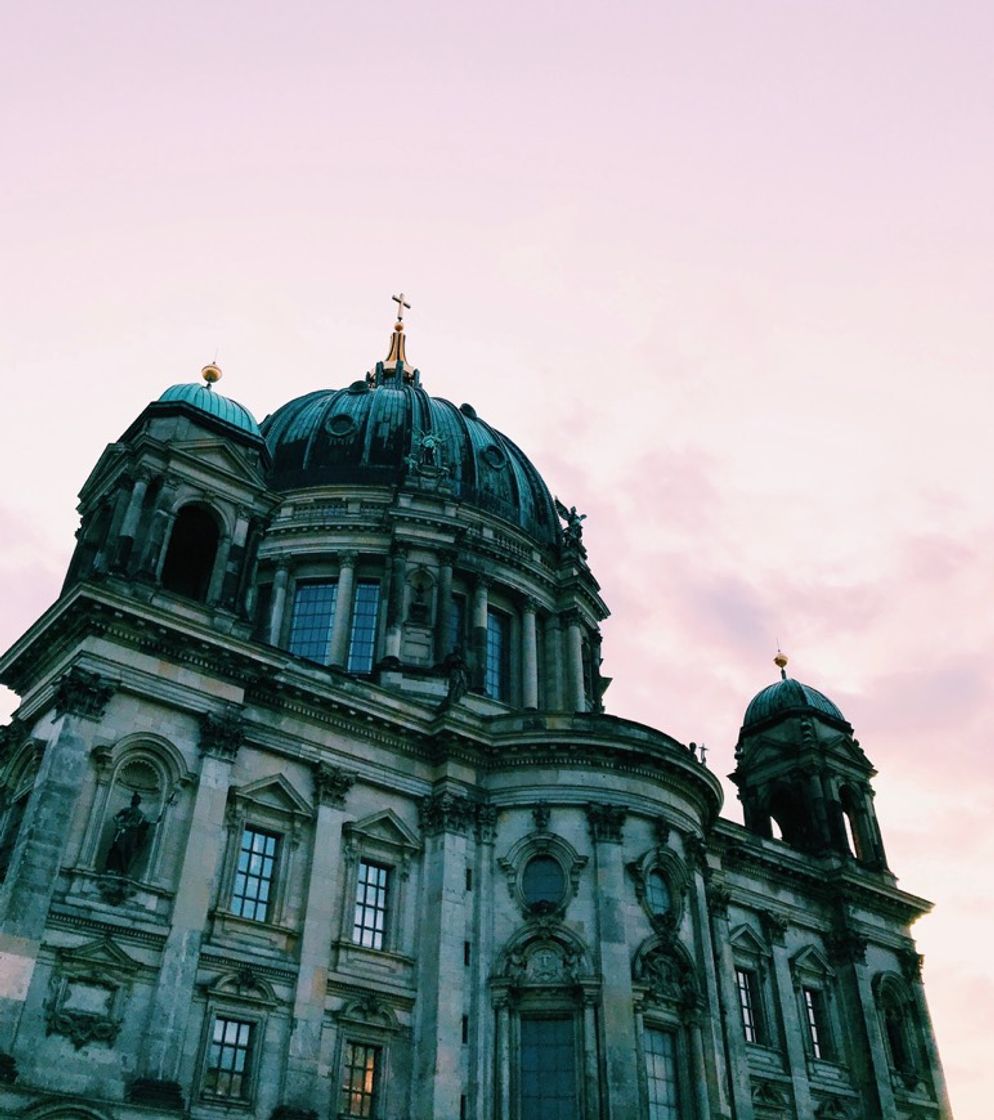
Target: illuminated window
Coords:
[[814, 1013], [748, 986], [360, 1077], [313, 615], [362, 644], [371, 905], [251, 894], [497, 683], [228, 1058], [548, 1069], [660, 1072]]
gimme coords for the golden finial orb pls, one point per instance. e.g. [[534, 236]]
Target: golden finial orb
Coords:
[[780, 660], [211, 373]]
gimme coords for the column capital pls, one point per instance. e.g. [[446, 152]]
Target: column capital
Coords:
[[911, 963], [605, 822], [718, 901], [529, 605], [775, 925], [82, 693], [332, 783], [221, 736], [398, 550], [348, 558], [571, 617], [445, 812], [482, 582], [846, 947], [486, 823], [448, 557]]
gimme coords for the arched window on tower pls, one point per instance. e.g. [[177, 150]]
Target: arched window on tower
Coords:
[[788, 822], [189, 562], [896, 1009], [850, 822]]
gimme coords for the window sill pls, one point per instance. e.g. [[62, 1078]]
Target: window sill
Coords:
[[384, 963], [229, 927]]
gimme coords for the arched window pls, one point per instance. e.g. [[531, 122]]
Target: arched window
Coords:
[[190, 557], [850, 822], [787, 813], [897, 1018]]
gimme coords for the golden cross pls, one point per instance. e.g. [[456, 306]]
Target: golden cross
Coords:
[[399, 300]]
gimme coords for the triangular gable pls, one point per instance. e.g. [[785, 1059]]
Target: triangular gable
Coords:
[[745, 940], [386, 827], [102, 955], [810, 959], [274, 792], [217, 455]]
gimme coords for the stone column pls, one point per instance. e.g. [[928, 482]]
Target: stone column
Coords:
[[787, 1004], [480, 900], [443, 605], [553, 664], [575, 695], [129, 526], [341, 627], [617, 1024], [104, 549], [710, 1026], [866, 1050], [159, 529], [216, 582], [442, 971], [220, 739], [395, 600], [478, 632], [735, 1045], [911, 967], [698, 1067], [277, 605], [529, 656], [80, 700], [591, 1080], [305, 1087], [230, 566], [502, 1055]]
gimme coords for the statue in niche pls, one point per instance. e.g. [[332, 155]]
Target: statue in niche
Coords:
[[458, 674], [131, 828]]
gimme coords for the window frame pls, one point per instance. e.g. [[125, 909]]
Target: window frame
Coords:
[[365, 907], [811, 972], [664, 861], [675, 1031], [366, 1020], [272, 881], [301, 583], [502, 673], [230, 997], [533, 1013], [752, 958], [350, 1043], [245, 1097], [373, 628]]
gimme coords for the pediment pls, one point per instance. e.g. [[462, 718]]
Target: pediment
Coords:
[[275, 793], [385, 827], [218, 456], [812, 961], [102, 955], [745, 940]]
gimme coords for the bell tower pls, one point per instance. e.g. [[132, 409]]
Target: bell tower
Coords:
[[803, 778]]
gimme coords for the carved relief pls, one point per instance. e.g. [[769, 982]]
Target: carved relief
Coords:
[[332, 783], [221, 736], [446, 812], [88, 992], [605, 822], [81, 693]]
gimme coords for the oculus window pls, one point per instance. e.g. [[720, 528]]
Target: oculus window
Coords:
[[543, 883]]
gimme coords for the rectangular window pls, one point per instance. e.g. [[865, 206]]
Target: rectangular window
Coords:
[[371, 905], [254, 875], [748, 986], [313, 615], [660, 1073], [360, 1079], [548, 1069], [227, 1073], [498, 678], [457, 623], [362, 644], [814, 1014]]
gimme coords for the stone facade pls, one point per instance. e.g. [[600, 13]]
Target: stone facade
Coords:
[[251, 871]]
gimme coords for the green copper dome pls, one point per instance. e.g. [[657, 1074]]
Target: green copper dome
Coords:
[[788, 695], [389, 431], [211, 402]]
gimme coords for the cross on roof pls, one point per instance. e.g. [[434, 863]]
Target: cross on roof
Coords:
[[399, 300]]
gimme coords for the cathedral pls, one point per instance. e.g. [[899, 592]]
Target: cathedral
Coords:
[[311, 810]]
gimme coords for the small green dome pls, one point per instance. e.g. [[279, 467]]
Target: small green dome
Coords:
[[789, 695], [209, 401]]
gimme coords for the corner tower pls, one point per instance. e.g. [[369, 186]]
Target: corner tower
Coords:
[[802, 777]]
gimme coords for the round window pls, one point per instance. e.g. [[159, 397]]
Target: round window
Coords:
[[341, 424], [543, 882], [658, 892]]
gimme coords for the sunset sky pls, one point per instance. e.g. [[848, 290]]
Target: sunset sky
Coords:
[[723, 270]]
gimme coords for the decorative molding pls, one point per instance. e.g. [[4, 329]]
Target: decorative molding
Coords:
[[221, 736], [486, 823], [911, 963], [88, 991], [661, 829], [446, 812], [540, 815], [718, 901], [605, 822], [846, 947], [82, 693], [332, 783], [775, 926]]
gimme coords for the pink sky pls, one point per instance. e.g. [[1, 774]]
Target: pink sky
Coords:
[[724, 271]]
